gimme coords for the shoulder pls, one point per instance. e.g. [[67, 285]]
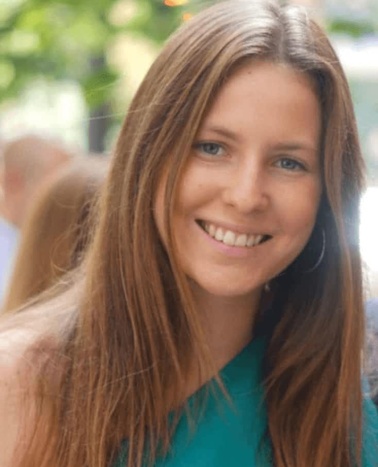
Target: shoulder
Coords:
[[31, 357], [27, 344], [16, 388]]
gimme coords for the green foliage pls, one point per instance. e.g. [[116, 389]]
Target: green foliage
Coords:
[[58, 39], [63, 39], [154, 20], [97, 86], [351, 28]]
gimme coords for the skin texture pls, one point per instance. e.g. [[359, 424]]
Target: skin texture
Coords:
[[254, 169]]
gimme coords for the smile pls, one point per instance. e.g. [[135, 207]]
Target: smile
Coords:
[[230, 238]]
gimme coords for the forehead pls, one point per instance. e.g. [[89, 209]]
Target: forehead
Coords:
[[262, 74], [267, 96]]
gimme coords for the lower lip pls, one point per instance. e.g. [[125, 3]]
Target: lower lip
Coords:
[[228, 250]]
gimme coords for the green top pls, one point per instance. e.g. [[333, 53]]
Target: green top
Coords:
[[225, 434]]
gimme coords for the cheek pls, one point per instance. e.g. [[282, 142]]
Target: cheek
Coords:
[[306, 218], [184, 192], [303, 209]]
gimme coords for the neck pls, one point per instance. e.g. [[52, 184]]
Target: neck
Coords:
[[228, 323]]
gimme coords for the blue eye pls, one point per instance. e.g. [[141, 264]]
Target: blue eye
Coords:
[[209, 148], [290, 164]]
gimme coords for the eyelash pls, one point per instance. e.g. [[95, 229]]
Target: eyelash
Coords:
[[201, 147], [297, 165]]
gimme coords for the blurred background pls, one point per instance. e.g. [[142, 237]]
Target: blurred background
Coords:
[[68, 69]]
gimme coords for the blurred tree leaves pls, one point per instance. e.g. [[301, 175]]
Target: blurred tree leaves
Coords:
[[352, 28], [72, 39], [351, 18], [59, 39]]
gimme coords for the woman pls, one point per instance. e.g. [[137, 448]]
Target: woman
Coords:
[[56, 231], [217, 318]]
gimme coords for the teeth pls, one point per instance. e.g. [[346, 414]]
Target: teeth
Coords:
[[241, 240], [251, 240], [229, 238], [232, 238], [219, 234]]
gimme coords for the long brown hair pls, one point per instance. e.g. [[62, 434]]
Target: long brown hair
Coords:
[[135, 331], [56, 231]]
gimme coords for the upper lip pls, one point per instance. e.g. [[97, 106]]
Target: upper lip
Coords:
[[236, 228]]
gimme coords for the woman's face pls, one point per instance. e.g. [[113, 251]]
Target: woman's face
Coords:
[[249, 195]]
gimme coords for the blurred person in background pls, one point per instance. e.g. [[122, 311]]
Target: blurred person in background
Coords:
[[27, 162], [56, 230], [8, 236]]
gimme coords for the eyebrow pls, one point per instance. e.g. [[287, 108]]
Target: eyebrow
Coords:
[[283, 146], [222, 132], [296, 146]]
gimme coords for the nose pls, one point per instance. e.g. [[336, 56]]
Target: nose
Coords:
[[247, 189]]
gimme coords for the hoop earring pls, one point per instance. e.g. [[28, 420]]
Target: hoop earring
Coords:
[[320, 259]]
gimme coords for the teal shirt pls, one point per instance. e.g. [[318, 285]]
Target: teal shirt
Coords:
[[234, 434]]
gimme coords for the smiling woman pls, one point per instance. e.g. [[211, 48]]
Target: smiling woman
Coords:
[[217, 318], [250, 192]]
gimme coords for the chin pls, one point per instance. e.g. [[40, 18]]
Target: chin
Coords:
[[226, 291]]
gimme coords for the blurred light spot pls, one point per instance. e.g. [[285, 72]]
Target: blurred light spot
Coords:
[[50, 109], [187, 16], [11, 5], [122, 12], [175, 2], [20, 42], [132, 56], [357, 56]]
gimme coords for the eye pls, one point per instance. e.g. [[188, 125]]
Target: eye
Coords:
[[209, 148], [290, 164]]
